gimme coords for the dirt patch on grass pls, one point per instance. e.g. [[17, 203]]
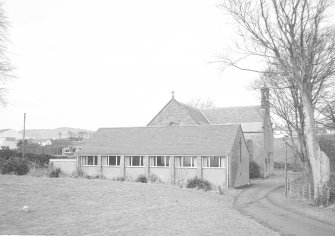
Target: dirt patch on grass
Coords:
[[69, 206]]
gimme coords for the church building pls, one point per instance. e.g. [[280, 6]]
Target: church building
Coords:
[[254, 120], [182, 142]]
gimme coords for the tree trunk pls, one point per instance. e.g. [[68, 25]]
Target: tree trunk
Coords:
[[303, 157], [319, 161]]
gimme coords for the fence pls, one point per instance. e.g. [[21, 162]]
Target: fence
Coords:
[[300, 191], [299, 188]]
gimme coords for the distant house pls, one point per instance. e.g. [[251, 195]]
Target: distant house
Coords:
[[9, 138], [42, 142], [217, 153], [255, 122], [71, 151]]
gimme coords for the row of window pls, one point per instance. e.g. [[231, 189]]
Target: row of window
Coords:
[[155, 161]]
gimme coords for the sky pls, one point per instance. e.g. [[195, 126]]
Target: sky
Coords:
[[91, 64]]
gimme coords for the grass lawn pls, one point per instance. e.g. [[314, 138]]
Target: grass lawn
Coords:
[[69, 206]]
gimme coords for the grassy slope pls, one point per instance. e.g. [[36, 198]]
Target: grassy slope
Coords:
[[99, 207], [303, 207]]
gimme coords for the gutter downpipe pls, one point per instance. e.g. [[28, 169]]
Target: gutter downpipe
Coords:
[[228, 167]]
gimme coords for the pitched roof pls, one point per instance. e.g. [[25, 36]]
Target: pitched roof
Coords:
[[173, 140], [243, 114], [3, 130], [194, 113]]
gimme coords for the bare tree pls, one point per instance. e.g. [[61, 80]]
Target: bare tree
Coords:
[[201, 104], [287, 111], [326, 109], [5, 67], [291, 36]]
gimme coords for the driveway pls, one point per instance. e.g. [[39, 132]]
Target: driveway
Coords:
[[255, 203]]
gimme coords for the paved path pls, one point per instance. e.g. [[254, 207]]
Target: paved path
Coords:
[[254, 202]]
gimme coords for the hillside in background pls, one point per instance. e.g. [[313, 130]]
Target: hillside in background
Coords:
[[63, 132]]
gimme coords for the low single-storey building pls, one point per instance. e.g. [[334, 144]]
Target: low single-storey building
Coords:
[[217, 153]]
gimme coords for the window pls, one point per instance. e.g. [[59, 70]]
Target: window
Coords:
[[134, 160], [89, 160], [213, 161], [186, 161], [159, 161], [111, 160]]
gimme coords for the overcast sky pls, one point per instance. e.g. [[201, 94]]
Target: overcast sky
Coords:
[[90, 64]]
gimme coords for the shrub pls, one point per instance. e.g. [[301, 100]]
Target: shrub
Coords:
[[41, 160], [2, 162], [220, 190], [121, 178], [331, 186], [142, 179], [16, 165], [55, 173], [254, 170], [6, 153], [327, 196], [36, 171], [199, 184], [78, 172], [155, 179]]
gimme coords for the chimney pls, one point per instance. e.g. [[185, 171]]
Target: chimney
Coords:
[[265, 99]]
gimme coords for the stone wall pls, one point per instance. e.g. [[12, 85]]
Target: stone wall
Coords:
[[173, 114]]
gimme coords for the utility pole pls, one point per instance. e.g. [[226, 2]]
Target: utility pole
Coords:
[[24, 133]]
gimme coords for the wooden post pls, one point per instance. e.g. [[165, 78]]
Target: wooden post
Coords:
[[309, 192], [24, 133], [289, 189], [303, 191], [299, 190], [327, 196]]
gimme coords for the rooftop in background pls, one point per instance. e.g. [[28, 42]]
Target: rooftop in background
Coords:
[[3, 130], [243, 114], [251, 118]]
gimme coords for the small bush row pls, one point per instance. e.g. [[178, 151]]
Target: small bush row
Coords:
[[141, 179], [55, 173], [199, 183], [42, 160], [15, 165]]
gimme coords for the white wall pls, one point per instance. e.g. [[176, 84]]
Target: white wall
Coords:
[[66, 165]]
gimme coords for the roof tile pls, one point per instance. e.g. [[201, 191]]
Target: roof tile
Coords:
[[173, 140]]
